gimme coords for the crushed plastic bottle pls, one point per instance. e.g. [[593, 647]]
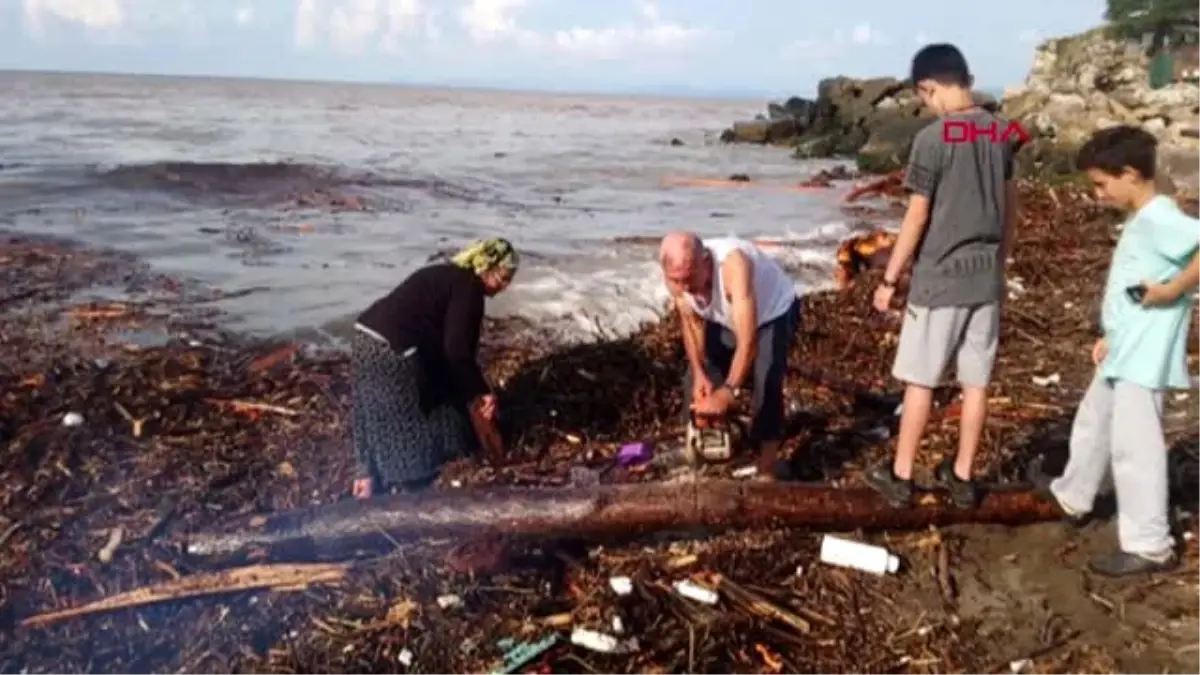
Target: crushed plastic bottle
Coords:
[[857, 555]]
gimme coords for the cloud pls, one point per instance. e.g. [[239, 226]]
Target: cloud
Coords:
[[491, 20], [95, 15], [127, 22], [405, 18], [864, 34], [358, 26], [496, 21], [244, 15], [352, 24], [807, 49], [306, 23]]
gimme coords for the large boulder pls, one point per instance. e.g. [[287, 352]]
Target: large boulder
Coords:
[[779, 126], [838, 122], [817, 146], [888, 146], [801, 110], [761, 131], [1046, 157]]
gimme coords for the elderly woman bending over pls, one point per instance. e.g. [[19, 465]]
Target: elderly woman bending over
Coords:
[[418, 389]]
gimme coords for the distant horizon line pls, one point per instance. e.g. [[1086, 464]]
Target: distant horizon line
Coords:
[[466, 84]]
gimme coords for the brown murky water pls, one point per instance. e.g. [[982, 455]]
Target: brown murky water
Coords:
[[255, 187]]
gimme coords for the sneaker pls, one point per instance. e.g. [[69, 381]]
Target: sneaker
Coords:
[[1041, 481], [897, 491], [1123, 564], [963, 493]]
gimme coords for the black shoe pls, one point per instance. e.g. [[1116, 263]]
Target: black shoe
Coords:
[[897, 491], [1037, 475], [963, 493], [1122, 564]]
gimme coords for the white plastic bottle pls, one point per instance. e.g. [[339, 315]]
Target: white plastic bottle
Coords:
[[860, 556]]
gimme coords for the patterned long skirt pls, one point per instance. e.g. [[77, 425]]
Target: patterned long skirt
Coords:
[[396, 442]]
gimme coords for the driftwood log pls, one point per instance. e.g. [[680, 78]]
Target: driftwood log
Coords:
[[276, 577], [595, 513]]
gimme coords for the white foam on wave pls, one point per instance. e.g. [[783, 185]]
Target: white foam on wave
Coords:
[[620, 288]]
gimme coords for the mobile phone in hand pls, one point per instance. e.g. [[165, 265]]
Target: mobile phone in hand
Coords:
[[1136, 293]]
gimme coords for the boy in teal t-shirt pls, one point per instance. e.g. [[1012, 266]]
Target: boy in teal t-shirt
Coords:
[[1145, 318]]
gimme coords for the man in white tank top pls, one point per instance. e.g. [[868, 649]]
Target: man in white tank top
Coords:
[[739, 311]]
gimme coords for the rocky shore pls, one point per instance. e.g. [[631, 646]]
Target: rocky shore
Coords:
[[874, 119], [1077, 84], [133, 423]]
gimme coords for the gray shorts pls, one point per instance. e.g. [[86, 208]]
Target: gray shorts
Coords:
[[931, 336]]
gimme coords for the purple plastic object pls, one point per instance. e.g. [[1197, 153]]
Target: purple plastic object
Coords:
[[634, 453]]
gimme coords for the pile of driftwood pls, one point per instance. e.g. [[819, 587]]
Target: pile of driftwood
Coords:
[[146, 493]]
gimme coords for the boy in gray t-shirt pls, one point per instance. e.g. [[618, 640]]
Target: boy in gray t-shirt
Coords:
[[957, 232]]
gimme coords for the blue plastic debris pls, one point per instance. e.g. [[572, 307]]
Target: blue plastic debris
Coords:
[[517, 655]]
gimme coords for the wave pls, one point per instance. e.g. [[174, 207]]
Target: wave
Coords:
[[260, 185], [305, 185], [218, 177], [287, 184]]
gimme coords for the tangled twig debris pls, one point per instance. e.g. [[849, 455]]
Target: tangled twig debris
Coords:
[[966, 604]]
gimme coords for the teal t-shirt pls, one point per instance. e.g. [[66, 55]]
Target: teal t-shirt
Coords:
[[1148, 345]]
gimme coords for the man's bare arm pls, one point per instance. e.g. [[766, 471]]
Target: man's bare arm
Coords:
[[912, 228], [693, 334], [737, 272], [1012, 205]]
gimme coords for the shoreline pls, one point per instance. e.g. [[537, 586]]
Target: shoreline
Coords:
[[181, 433]]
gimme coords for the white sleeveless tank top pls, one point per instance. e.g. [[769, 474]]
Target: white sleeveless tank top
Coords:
[[774, 290]]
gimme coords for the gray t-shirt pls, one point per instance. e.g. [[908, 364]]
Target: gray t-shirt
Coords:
[[958, 261]]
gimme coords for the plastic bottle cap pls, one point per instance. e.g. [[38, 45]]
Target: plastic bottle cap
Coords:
[[893, 563]]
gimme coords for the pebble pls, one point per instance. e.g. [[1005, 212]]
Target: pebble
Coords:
[[405, 658], [879, 433], [745, 472], [601, 642], [689, 589], [448, 601], [72, 419], [621, 585], [1047, 380]]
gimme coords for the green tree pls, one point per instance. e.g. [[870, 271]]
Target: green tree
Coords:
[[1162, 19]]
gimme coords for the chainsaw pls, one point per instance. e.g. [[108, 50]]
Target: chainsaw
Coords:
[[708, 440]]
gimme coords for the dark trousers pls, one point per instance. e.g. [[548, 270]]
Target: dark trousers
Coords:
[[774, 339]]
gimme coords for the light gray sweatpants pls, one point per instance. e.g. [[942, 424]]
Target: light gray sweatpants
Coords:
[[1119, 425]]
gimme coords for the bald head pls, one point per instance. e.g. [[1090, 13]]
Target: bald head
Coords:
[[679, 250], [682, 258]]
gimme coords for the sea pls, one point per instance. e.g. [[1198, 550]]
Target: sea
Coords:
[[198, 177]]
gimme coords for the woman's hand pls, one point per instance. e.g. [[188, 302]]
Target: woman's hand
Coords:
[[488, 407], [363, 488], [490, 441]]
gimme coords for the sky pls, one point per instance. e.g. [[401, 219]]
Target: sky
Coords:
[[732, 47]]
